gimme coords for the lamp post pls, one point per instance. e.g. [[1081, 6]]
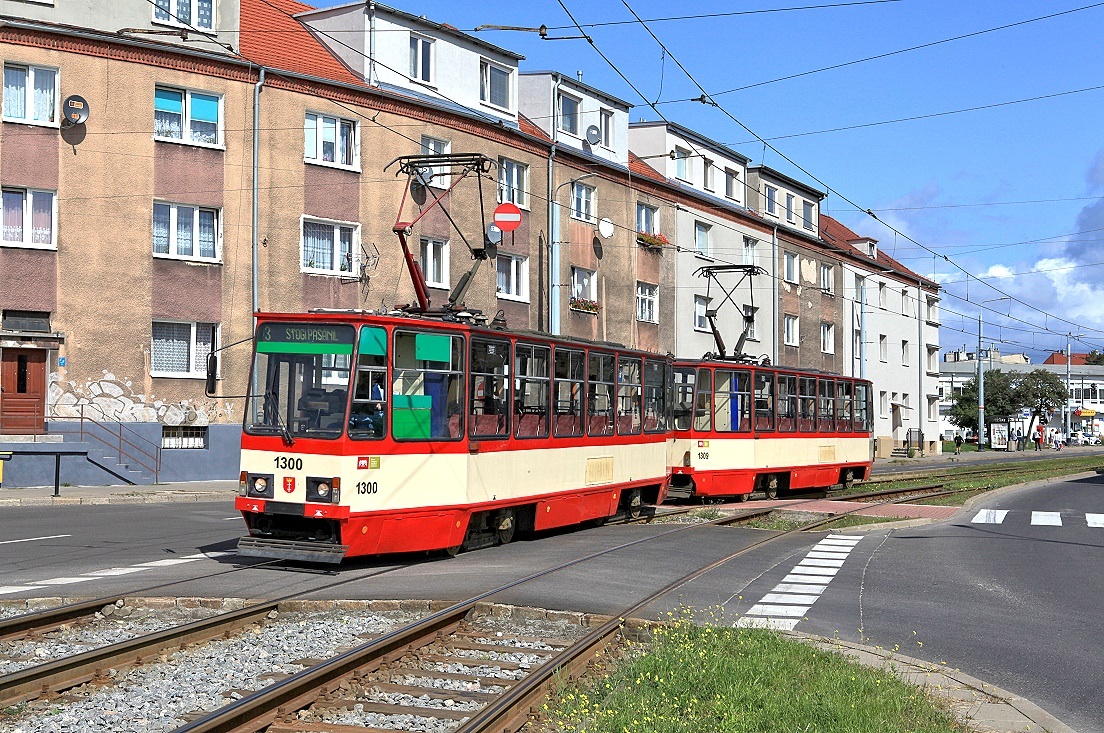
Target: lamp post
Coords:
[[554, 258], [1066, 411], [981, 376]]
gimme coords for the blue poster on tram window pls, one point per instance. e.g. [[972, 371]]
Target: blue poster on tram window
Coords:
[[435, 386]]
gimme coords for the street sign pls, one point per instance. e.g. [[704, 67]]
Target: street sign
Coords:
[[507, 217]]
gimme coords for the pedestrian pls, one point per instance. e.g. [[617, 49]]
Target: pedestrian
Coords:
[[1038, 437], [958, 444]]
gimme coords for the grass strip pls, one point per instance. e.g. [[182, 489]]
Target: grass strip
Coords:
[[707, 679]]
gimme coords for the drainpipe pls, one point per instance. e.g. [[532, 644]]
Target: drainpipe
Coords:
[[256, 186], [553, 225], [774, 283], [372, 80], [922, 354]]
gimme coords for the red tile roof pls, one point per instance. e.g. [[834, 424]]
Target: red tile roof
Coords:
[[1059, 358], [639, 168], [834, 232], [530, 128], [271, 37]]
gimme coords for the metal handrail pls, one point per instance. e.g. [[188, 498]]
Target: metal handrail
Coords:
[[119, 441]]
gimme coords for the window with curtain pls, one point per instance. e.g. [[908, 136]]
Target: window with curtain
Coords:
[[185, 231], [329, 140], [327, 247], [29, 218], [513, 277], [180, 114], [30, 94], [513, 182], [435, 262], [180, 349], [494, 84], [197, 13]]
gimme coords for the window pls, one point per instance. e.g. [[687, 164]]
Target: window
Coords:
[[881, 295], [787, 403], [513, 277], [582, 201], [329, 140], [749, 250], [732, 184], [764, 401], [601, 393], [30, 94], [827, 338], [647, 302], [494, 84], [568, 390], [489, 414], [933, 359], [772, 200], [435, 262], [701, 305], [701, 237], [427, 393], [827, 278], [904, 353], [790, 329], [732, 401], [883, 404], [628, 396], [789, 207], [569, 114], [647, 219], [30, 218], [749, 322], [806, 405], [789, 271], [858, 344], [905, 302], [883, 348], [826, 405], [188, 232], [531, 366], [708, 174], [860, 288], [872, 249], [583, 284], [807, 215], [513, 182], [368, 418], [437, 176], [180, 349], [605, 124], [703, 409], [683, 398], [328, 246], [192, 117], [655, 396], [183, 437], [682, 164], [196, 13], [933, 409], [421, 59]]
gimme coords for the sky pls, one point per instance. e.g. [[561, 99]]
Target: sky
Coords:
[[1013, 194]]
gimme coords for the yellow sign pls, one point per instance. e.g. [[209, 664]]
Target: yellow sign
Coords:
[[1086, 413]]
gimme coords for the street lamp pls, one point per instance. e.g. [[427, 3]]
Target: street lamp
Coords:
[[981, 375], [554, 257]]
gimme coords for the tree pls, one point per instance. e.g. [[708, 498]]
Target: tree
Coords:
[[1001, 401], [1095, 358], [1040, 390]]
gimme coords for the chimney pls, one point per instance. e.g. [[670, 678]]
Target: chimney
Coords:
[[579, 75]]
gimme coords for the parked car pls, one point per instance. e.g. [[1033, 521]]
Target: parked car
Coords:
[[1079, 437]]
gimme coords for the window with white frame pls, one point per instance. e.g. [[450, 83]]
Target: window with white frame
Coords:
[[513, 182], [188, 116], [933, 359], [582, 201], [702, 235], [904, 352], [180, 348], [647, 219], [905, 302], [882, 295], [30, 94], [789, 267], [750, 244], [827, 338], [682, 164], [807, 215], [789, 207], [647, 302], [605, 124], [708, 174], [827, 278], [513, 277], [437, 176], [328, 247], [791, 335], [421, 59], [329, 140], [701, 306], [186, 232], [30, 218], [569, 114], [194, 13], [883, 404], [435, 262], [584, 284], [883, 348], [772, 199], [732, 184], [860, 288], [494, 84], [933, 310], [749, 321], [933, 408], [858, 344]]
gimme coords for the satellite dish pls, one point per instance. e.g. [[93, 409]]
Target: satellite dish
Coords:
[[605, 228], [593, 135], [494, 234], [74, 109], [417, 192]]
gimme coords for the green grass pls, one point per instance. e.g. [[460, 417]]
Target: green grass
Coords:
[[856, 520], [949, 447], [775, 522], [705, 679]]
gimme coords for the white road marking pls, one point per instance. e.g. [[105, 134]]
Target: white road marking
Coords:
[[791, 578], [990, 516], [213, 554], [6, 589], [799, 588], [1049, 519], [114, 571], [848, 537], [818, 563], [62, 581], [1095, 520], [34, 539], [789, 598], [835, 545], [167, 563], [231, 519], [759, 622], [828, 555], [799, 570], [762, 609]]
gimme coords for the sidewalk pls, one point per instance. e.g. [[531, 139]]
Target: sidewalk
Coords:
[[223, 491], [946, 460]]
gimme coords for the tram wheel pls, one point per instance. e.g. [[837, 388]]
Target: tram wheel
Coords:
[[743, 497], [771, 489], [634, 505], [848, 480], [452, 551], [507, 524]]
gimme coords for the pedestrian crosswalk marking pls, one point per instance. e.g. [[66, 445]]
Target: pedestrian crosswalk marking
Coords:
[[990, 516], [791, 578], [820, 563], [799, 588], [1095, 520], [1050, 519], [828, 555], [789, 598], [764, 622], [767, 609]]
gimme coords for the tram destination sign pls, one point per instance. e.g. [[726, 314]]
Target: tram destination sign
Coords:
[[305, 338]]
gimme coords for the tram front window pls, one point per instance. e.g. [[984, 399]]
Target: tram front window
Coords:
[[301, 372]]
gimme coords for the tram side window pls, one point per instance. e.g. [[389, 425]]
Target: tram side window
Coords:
[[368, 418], [862, 407], [531, 390], [683, 398], [806, 404], [703, 406], [427, 394], [843, 406], [827, 401], [655, 397], [628, 396], [569, 388], [787, 404], [764, 401], [490, 382], [601, 393], [726, 402]]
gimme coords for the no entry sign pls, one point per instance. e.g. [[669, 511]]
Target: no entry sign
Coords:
[[507, 217]]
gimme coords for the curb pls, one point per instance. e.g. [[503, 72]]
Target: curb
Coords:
[[151, 498]]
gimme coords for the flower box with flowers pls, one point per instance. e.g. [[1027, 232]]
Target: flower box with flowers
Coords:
[[652, 241], [584, 305]]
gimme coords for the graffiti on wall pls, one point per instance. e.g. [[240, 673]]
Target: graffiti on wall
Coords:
[[111, 399]]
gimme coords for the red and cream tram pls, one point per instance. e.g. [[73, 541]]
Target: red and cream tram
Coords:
[[739, 428], [371, 434]]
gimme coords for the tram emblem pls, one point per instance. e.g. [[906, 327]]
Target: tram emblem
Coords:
[[703, 443], [289, 484], [366, 462]]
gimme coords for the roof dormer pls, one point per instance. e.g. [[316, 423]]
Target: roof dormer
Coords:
[[866, 245]]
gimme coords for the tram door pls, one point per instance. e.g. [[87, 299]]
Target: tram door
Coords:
[[22, 391]]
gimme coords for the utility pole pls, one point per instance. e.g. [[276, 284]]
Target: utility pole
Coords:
[[1066, 409], [981, 387]]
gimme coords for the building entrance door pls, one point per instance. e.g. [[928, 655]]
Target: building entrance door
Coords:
[[22, 391]]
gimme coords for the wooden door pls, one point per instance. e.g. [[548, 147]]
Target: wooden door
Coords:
[[22, 391]]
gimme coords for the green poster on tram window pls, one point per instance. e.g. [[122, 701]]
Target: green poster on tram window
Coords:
[[433, 347], [373, 341], [305, 338]]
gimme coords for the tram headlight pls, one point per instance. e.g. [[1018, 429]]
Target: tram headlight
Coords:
[[260, 486], [323, 490]]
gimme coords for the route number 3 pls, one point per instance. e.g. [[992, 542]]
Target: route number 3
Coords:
[[367, 487]]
